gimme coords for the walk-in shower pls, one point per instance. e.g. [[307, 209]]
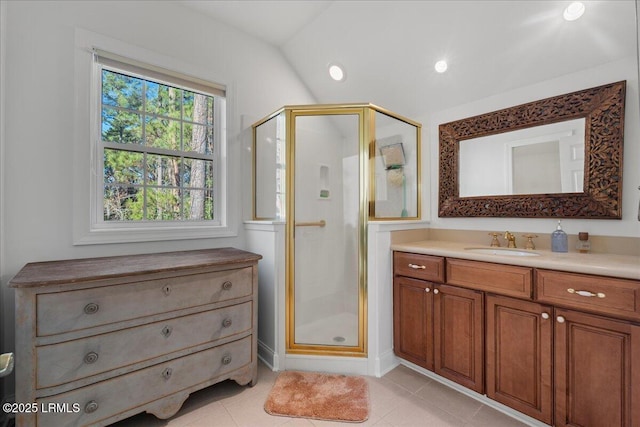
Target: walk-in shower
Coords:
[[326, 171]]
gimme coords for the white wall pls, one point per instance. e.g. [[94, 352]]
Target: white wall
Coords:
[[40, 120], [608, 73]]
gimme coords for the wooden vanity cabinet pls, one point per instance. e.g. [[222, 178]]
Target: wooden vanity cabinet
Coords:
[[413, 320], [597, 371], [560, 347], [459, 335], [436, 326], [519, 343]]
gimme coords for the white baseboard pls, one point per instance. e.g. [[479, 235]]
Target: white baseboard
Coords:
[[267, 355], [385, 363]]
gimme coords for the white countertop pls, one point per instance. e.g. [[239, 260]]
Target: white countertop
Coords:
[[625, 266]]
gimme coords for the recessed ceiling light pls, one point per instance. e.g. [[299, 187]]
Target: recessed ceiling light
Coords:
[[573, 11], [441, 66], [336, 72]]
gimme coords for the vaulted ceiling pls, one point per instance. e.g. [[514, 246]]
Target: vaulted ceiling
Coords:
[[389, 48]]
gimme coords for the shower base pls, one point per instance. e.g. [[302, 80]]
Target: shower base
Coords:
[[338, 330]]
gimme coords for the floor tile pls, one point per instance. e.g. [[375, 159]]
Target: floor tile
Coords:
[[449, 400], [403, 397], [487, 416]]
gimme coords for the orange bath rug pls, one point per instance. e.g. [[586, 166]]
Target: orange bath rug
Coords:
[[319, 396]]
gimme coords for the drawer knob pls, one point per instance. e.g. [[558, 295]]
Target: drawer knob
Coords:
[[166, 290], [560, 319], [586, 293], [435, 291], [226, 322], [427, 290], [226, 360], [90, 358], [227, 285], [91, 406], [166, 374], [545, 316], [417, 267], [91, 308], [166, 331]]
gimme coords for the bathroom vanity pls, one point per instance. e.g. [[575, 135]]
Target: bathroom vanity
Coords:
[[101, 339], [553, 336]]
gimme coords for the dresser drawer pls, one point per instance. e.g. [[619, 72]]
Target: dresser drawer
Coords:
[[72, 360], [497, 278], [86, 308], [105, 399], [618, 297], [418, 266]]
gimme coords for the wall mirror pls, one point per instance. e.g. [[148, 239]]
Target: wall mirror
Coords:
[[559, 157]]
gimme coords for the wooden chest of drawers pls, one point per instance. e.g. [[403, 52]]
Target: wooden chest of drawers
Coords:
[[107, 338]]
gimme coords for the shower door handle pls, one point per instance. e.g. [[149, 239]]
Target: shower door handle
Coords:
[[320, 223]]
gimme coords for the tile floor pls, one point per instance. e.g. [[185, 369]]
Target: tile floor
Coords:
[[402, 397]]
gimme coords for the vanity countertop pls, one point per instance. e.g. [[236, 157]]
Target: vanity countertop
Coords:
[[624, 266]]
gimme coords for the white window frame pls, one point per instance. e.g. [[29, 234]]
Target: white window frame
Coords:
[[90, 227]]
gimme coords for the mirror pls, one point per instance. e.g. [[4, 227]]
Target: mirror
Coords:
[[536, 160], [486, 166]]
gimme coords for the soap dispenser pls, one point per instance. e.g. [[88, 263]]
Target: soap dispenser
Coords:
[[559, 240]]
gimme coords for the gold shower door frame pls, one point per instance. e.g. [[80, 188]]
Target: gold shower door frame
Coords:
[[360, 350], [367, 194]]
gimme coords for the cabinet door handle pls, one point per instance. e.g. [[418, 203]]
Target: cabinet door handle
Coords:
[[545, 316], [417, 267], [427, 290], [560, 319], [586, 293], [435, 291]]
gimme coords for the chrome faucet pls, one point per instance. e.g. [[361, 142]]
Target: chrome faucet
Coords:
[[510, 238]]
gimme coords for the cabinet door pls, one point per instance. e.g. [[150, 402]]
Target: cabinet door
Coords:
[[413, 320], [458, 335], [519, 355], [597, 371]]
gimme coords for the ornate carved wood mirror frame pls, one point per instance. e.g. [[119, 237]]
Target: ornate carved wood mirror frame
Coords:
[[602, 108]]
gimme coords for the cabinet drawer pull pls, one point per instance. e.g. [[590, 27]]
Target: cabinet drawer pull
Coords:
[[545, 316], [166, 331], [91, 406], [427, 290], [417, 267], [90, 358], [166, 374], [226, 359], [227, 285], [226, 322], [91, 308], [560, 319], [435, 291], [586, 293]]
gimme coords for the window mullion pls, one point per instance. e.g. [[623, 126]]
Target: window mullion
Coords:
[[153, 150]]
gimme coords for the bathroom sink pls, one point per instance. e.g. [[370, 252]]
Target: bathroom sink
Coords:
[[502, 251]]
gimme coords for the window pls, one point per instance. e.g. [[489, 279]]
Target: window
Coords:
[[159, 146]]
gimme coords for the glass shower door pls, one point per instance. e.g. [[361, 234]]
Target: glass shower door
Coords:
[[326, 308]]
